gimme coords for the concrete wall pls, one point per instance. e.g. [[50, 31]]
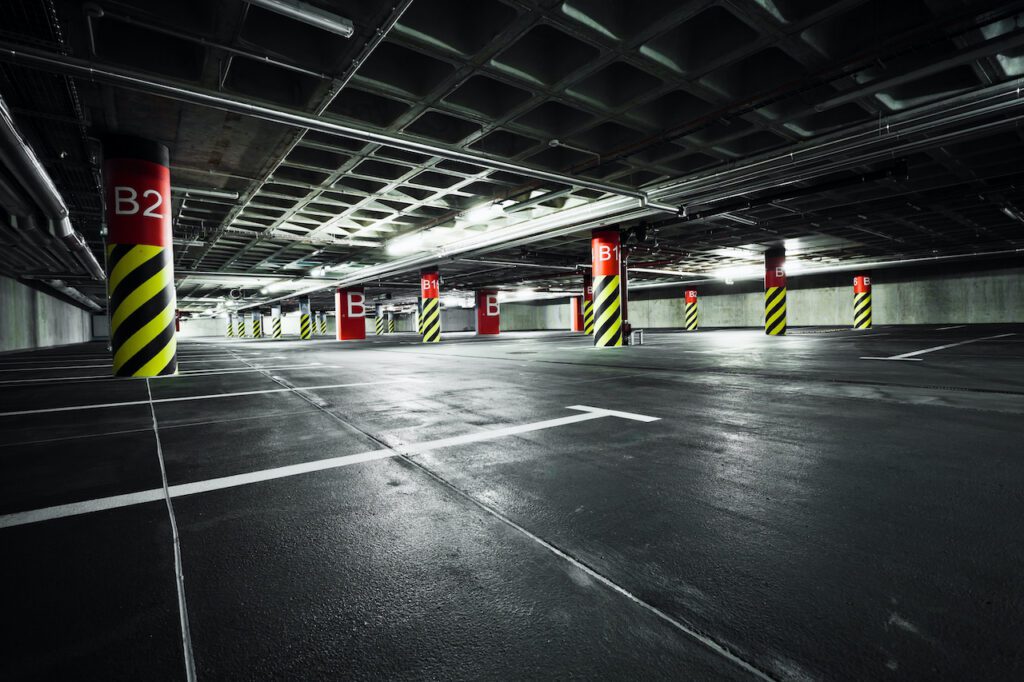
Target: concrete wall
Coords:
[[534, 315], [898, 297], [32, 319]]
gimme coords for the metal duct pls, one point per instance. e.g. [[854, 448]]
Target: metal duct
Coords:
[[26, 167], [308, 14]]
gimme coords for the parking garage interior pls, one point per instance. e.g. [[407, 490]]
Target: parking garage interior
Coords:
[[512, 339]]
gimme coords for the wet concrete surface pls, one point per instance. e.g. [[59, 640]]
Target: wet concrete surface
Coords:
[[795, 512]]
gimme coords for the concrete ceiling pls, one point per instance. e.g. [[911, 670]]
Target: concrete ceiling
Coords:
[[701, 103]]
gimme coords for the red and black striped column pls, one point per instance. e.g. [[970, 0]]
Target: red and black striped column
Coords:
[[140, 266], [430, 290], [488, 314], [775, 292], [862, 302], [350, 310]]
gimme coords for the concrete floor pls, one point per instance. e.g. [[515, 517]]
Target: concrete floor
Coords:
[[756, 508]]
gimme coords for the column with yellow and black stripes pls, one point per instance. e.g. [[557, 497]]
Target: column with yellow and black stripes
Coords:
[[419, 315], [275, 321], [140, 266], [305, 323], [240, 325], [231, 326], [257, 323], [862, 302], [378, 321], [775, 292], [391, 323], [323, 322], [690, 310], [430, 289], [588, 304], [605, 250]]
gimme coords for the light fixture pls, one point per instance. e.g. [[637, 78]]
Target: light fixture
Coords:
[[656, 271], [739, 272], [1012, 214], [483, 212], [308, 14], [403, 246], [731, 252]]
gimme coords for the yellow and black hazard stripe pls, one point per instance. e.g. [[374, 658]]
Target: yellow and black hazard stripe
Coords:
[[607, 311], [257, 326], [419, 316], [431, 320], [775, 311], [378, 326], [142, 302], [275, 327], [588, 316], [305, 328], [862, 310], [240, 326], [231, 327], [323, 323], [690, 320], [391, 325]]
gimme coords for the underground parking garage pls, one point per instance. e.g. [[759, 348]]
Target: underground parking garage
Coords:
[[512, 339]]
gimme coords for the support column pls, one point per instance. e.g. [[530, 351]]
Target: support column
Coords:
[[231, 326], [588, 304], [605, 253], [627, 328], [862, 302], [350, 309], [576, 314], [430, 290], [305, 323], [275, 321], [240, 324], [419, 315], [690, 319], [379, 323], [488, 314], [140, 265], [323, 321], [257, 324], [775, 292], [391, 323]]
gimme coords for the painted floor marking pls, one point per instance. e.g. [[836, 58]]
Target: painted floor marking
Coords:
[[587, 413], [99, 406], [96, 378], [958, 326], [910, 356]]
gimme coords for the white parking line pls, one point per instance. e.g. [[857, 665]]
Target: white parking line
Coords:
[[958, 326], [100, 406], [909, 357], [116, 501], [97, 378]]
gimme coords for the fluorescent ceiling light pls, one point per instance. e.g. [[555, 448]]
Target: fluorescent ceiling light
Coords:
[[739, 272], [403, 246], [731, 252], [655, 271], [483, 212]]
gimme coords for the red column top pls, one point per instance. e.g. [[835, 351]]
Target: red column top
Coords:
[[605, 252], [862, 284], [690, 295], [138, 196], [588, 287], [774, 271], [430, 284]]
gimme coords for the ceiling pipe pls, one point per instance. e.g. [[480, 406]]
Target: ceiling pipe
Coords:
[[78, 68], [26, 167], [308, 14]]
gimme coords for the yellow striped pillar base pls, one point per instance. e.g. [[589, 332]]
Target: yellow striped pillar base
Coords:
[[775, 311], [323, 324], [391, 325], [378, 326], [257, 327], [607, 311], [690, 319], [231, 328], [142, 303], [862, 310], [240, 326], [275, 327], [431, 320], [305, 326], [588, 316]]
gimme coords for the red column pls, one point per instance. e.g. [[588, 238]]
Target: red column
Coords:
[[488, 320], [350, 308], [576, 314]]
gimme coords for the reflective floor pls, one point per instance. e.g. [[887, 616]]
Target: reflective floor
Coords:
[[712, 505]]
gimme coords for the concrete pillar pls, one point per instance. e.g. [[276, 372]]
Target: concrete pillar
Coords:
[[275, 321], [690, 317], [140, 265], [862, 302], [257, 324], [576, 314], [350, 309], [627, 328], [605, 254], [379, 323], [231, 325], [430, 291], [305, 323], [588, 303], [488, 320], [391, 322], [775, 292]]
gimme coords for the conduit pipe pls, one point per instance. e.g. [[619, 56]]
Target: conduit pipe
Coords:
[[27, 169], [308, 14]]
